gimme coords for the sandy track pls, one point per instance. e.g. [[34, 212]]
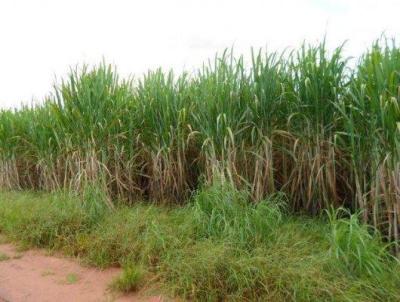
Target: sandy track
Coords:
[[32, 276]]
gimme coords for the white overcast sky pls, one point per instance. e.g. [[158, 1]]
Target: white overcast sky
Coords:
[[40, 39]]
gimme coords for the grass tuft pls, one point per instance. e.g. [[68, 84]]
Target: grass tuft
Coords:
[[4, 257], [357, 247], [72, 278], [130, 279]]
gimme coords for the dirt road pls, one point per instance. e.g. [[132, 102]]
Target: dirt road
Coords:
[[32, 276]]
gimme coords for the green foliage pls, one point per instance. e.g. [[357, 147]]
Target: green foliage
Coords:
[[223, 212], [57, 219], [227, 142], [218, 247], [356, 246], [129, 280], [72, 278], [302, 122]]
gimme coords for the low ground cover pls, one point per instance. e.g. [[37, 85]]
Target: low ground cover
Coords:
[[220, 246]]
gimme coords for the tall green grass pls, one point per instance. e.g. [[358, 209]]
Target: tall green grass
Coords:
[[303, 123], [218, 247]]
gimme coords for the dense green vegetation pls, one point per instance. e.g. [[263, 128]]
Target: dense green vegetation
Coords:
[[299, 132], [303, 123], [218, 247]]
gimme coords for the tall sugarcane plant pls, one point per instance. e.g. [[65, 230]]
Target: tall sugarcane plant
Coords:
[[302, 122]]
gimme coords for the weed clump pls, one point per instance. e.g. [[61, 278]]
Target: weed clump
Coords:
[[130, 279], [357, 247]]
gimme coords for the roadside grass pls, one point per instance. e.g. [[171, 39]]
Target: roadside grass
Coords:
[[218, 247]]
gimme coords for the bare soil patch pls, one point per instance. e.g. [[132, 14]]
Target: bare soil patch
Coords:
[[34, 276]]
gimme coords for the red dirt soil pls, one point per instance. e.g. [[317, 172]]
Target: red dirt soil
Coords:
[[32, 276]]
